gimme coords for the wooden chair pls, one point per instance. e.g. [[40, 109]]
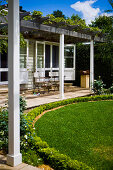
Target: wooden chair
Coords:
[[54, 78]]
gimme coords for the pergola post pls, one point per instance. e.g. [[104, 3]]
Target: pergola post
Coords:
[[91, 64], [61, 66], [14, 157]]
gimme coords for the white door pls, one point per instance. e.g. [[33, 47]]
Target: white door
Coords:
[[69, 62], [24, 53]]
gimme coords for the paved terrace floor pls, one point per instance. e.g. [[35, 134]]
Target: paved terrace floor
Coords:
[[53, 98], [36, 100], [22, 166]]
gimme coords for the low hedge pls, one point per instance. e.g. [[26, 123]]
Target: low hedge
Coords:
[[60, 161], [38, 110], [49, 155]]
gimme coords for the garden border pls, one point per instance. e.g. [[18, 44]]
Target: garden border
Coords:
[[50, 155]]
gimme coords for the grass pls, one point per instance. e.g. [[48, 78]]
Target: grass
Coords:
[[83, 131]]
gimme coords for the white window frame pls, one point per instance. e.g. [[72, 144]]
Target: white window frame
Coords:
[[36, 68], [51, 47], [27, 56]]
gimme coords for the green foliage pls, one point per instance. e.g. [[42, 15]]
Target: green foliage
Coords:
[[31, 157], [37, 13], [60, 161], [98, 86], [58, 14], [4, 124], [3, 129], [105, 23], [59, 17], [23, 104], [32, 15], [111, 89], [75, 17], [3, 45], [22, 41]]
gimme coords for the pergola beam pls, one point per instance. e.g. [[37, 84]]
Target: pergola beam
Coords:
[[52, 29], [14, 157]]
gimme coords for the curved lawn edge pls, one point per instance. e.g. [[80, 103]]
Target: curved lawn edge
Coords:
[[47, 107], [50, 155]]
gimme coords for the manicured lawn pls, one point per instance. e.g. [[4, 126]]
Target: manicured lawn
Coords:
[[83, 131]]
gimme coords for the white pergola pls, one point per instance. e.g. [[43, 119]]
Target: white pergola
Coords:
[[14, 156]]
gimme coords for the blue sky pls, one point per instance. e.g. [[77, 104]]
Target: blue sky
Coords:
[[87, 9]]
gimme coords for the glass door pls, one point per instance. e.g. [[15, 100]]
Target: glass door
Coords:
[[55, 56], [69, 62], [47, 59]]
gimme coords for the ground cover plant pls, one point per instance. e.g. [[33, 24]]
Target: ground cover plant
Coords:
[[83, 131]]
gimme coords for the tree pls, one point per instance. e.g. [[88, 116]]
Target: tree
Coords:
[[58, 13], [75, 17], [105, 23]]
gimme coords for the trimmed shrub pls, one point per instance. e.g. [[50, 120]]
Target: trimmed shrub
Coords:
[[31, 157], [60, 161], [37, 111]]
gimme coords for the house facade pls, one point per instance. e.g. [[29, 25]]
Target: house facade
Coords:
[[40, 58], [41, 55]]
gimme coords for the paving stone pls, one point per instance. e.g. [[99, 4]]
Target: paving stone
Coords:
[[29, 167], [22, 166]]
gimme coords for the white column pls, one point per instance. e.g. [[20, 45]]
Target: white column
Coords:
[[91, 64], [61, 66], [14, 157]]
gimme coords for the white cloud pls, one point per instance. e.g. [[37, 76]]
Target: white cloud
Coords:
[[89, 12], [107, 14]]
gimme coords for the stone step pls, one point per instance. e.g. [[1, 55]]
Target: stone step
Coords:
[[68, 84]]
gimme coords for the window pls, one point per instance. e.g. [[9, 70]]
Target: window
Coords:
[[40, 55], [47, 56], [69, 56], [55, 56], [3, 66], [23, 57]]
